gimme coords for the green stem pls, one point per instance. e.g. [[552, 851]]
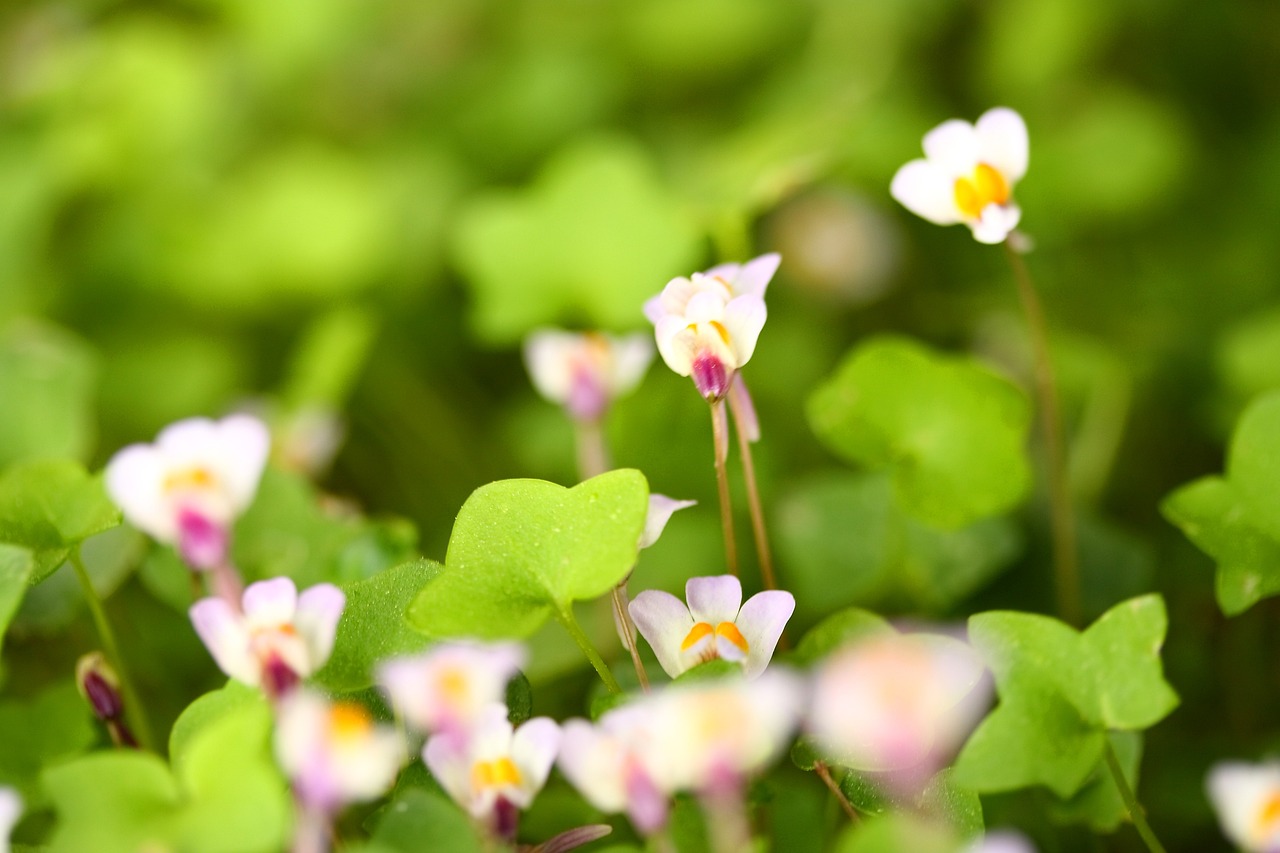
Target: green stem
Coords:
[[134, 708], [1136, 814], [1065, 561], [570, 623], [720, 443]]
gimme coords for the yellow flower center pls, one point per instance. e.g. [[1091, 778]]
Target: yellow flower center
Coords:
[[349, 721], [453, 684], [728, 630], [493, 774], [194, 478], [1268, 816], [985, 186]]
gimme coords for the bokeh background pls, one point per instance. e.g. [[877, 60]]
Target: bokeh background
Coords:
[[347, 214]]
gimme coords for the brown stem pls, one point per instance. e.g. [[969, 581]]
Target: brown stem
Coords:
[[720, 440], [824, 773], [629, 633], [763, 552]]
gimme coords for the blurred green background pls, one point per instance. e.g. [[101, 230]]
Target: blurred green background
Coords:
[[346, 214]]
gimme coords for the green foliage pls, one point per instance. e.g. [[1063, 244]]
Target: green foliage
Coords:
[[416, 821], [49, 507], [522, 550], [52, 727], [897, 833], [1098, 804], [52, 374], [950, 431], [1061, 691], [15, 570], [207, 710]]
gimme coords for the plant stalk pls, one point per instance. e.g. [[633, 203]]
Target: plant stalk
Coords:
[[1136, 813], [570, 623], [628, 627], [593, 456], [758, 530], [720, 441], [824, 773]]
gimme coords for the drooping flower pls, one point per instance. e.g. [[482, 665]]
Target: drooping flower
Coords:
[[188, 487], [277, 639], [707, 325], [1247, 800], [897, 702], [495, 770], [334, 753], [661, 508], [586, 372], [968, 174], [446, 688], [10, 811], [714, 624]]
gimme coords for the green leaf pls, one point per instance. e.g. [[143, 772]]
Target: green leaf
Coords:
[[206, 710], [1253, 462], [56, 725], [898, 833], [52, 374], [1122, 651], [950, 431], [524, 549], [956, 804], [373, 626], [15, 570], [712, 670], [1098, 804], [420, 822], [49, 506]]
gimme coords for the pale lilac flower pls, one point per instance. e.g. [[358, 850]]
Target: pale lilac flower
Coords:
[[448, 687], [585, 372], [968, 174], [334, 753], [899, 702], [1247, 800], [188, 487], [661, 508], [1003, 841], [714, 624], [707, 325], [278, 637], [495, 770], [10, 811]]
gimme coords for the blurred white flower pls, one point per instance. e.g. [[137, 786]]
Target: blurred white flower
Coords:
[[448, 687], [10, 811], [278, 637], [1003, 841], [585, 372], [1247, 800], [968, 174], [188, 487]]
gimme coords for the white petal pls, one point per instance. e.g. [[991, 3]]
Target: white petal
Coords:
[[755, 275], [761, 621], [996, 223], [187, 441], [135, 482], [547, 357], [675, 343], [661, 508], [10, 811], [713, 599], [366, 771], [533, 750], [725, 272], [319, 609], [225, 636], [653, 310], [592, 761], [1238, 792], [927, 191], [1002, 142], [744, 319], [245, 444], [631, 357], [270, 603], [953, 147], [676, 295], [446, 757], [704, 307], [664, 622]]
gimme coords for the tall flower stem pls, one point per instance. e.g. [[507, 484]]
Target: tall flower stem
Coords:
[[824, 773], [737, 407], [1131, 804], [623, 615], [1065, 561], [570, 623], [135, 710], [720, 441]]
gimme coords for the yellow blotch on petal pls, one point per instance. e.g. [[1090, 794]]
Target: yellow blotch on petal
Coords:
[[695, 635], [985, 186], [730, 632], [493, 774], [349, 721], [1268, 816], [190, 478]]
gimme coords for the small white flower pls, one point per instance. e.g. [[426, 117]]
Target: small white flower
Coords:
[[714, 624], [10, 811], [707, 325], [968, 174], [188, 487], [585, 372], [279, 637], [1247, 800], [333, 752], [1001, 842], [447, 687], [493, 763]]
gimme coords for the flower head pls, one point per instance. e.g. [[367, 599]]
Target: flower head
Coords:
[[10, 811], [1247, 800], [714, 624], [188, 487], [707, 325], [968, 174], [448, 687], [334, 753], [278, 637], [585, 372]]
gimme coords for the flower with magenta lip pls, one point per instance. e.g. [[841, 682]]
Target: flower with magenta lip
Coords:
[[968, 174], [277, 638], [585, 372], [1247, 800], [714, 624], [189, 486], [707, 325], [447, 687]]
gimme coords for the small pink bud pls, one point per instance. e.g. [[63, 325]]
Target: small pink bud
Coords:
[[710, 377]]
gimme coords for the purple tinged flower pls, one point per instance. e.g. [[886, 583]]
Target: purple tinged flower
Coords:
[[1246, 798], [277, 639], [448, 687], [714, 624], [10, 811], [661, 508], [189, 486], [586, 372]]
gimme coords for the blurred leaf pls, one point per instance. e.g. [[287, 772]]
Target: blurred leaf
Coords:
[[898, 833], [522, 550], [951, 432], [1253, 462], [843, 626], [588, 243], [55, 725], [688, 826], [420, 822], [712, 670], [205, 711], [1098, 803], [109, 559], [49, 506], [1248, 356], [15, 571], [959, 806], [328, 359], [51, 373]]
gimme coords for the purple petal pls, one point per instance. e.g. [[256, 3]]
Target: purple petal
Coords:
[[714, 599], [223, 633], [271, 602], [761, 622], [664, 622], [661, 508]]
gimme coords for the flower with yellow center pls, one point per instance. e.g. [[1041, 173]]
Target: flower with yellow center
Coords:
[[714, 624], [586, 372], [968, 174], [1247, 800], [447, 687]]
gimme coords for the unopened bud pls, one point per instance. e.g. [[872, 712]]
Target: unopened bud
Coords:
[[710, 377], [100, 685]]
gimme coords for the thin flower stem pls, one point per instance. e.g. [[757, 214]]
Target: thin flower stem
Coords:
[[593, 455], [824, 773], [1136, 813], [1065, 561], [570, 623], [629, 633], [135, 710], [720, 441], [763, 553]]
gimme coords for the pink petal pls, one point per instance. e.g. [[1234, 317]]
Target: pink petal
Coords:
[[744, 410], [271, 602], [661, 508], [223, 633], [664, 622], [243, 446], [761, 622], [756, 275], [319, 609], [714, 599]]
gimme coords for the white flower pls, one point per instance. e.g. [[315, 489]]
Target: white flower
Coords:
[[968, 174], [188, 487], [714, 624], [896, 701], [10, 811], [494, 763], [707, 325], [447, 687], [334, 753], [661, 508], [278, 639], [1001, 842], [1247, 800], [585, 372]]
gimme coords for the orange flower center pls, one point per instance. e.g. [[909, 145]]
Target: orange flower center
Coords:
[[493, 774], [985, 186], [349, 721], [190, 478], [728, 630]]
